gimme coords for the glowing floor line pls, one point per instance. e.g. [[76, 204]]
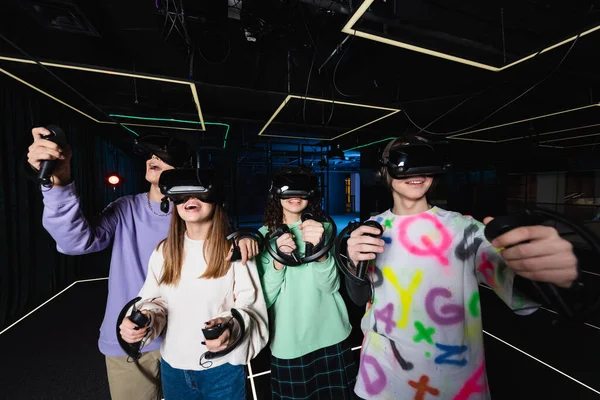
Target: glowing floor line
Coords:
[[509, 345], [542, 362], [252, 376], [49, 300]]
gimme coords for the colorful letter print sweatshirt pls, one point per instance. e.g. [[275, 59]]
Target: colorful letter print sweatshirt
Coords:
[[423, 334]]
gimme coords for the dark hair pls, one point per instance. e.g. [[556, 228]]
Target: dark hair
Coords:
[[274, 212], [170, 150]]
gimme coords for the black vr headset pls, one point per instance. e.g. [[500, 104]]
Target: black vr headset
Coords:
[[178, 185], [412, 156], [295, 182], [172, 151]]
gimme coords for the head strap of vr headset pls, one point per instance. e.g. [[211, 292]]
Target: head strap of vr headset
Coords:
[[169, 149], [404, 147]]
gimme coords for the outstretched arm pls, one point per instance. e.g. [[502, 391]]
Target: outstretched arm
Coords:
[[536, 253], [62, 216], [73, 233], [492, 270]]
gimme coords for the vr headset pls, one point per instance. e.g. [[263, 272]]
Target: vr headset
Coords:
[[178, 185], [295, 182], [412, 156], [172, 151]]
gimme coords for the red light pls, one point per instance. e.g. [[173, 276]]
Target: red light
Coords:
[[114, 180]]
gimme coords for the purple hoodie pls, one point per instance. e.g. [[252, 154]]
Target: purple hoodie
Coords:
[[134, 231]]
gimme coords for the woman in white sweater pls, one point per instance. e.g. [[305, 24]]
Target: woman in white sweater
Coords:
[[192, 286]]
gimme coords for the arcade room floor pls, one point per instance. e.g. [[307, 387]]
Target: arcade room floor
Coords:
[[52, 353]]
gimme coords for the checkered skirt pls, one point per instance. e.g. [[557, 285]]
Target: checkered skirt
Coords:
[[327, 373]]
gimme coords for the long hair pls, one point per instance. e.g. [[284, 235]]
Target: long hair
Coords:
[[273, 217], [215, 248]]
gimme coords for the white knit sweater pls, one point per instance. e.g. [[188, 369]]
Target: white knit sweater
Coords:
[[193, 301]]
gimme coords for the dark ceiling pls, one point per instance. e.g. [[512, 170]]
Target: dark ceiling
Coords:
[[245, 57]]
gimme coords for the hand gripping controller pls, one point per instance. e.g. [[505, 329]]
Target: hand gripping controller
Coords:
[[361, 270], [132, 349], [214, 331], [311, 253], [550, 293], [237, 331], [57, 135]]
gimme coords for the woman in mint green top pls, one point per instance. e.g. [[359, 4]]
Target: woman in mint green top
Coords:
[[311, 358]]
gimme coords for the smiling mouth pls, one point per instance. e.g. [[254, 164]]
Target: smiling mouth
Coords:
[[415, 181], [294, 201], [189, 207], [154, 167]]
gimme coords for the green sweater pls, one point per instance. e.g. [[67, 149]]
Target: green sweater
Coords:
[[307, 310]]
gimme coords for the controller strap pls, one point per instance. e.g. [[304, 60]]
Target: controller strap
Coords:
[[133, 349], [294, 259], [244, 233], [237, 328]]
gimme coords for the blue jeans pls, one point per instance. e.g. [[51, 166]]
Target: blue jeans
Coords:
[[226, 382]]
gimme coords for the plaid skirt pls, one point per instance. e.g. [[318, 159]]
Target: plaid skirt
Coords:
[[327, 373]]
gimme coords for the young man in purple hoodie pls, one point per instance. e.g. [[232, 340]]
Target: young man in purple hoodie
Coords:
[[134, 225]]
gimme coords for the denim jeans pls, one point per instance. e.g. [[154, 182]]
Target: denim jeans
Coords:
[[226, 382]]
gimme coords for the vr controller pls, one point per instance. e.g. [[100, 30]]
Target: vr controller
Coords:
[[311, 253], [549, 293], [361, 270], [501, 225], [240, 234], [236, 328], [214, 332], [132, 349], [57, 135]]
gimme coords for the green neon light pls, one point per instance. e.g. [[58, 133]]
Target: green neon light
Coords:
[[175, 120], [370, 144], [130, 130]]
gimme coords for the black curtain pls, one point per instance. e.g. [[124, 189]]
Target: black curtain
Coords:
[[31, 269]]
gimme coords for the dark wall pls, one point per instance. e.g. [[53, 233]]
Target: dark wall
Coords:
[[32, 270], [478, 193], [336, 192], [251, 192]]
